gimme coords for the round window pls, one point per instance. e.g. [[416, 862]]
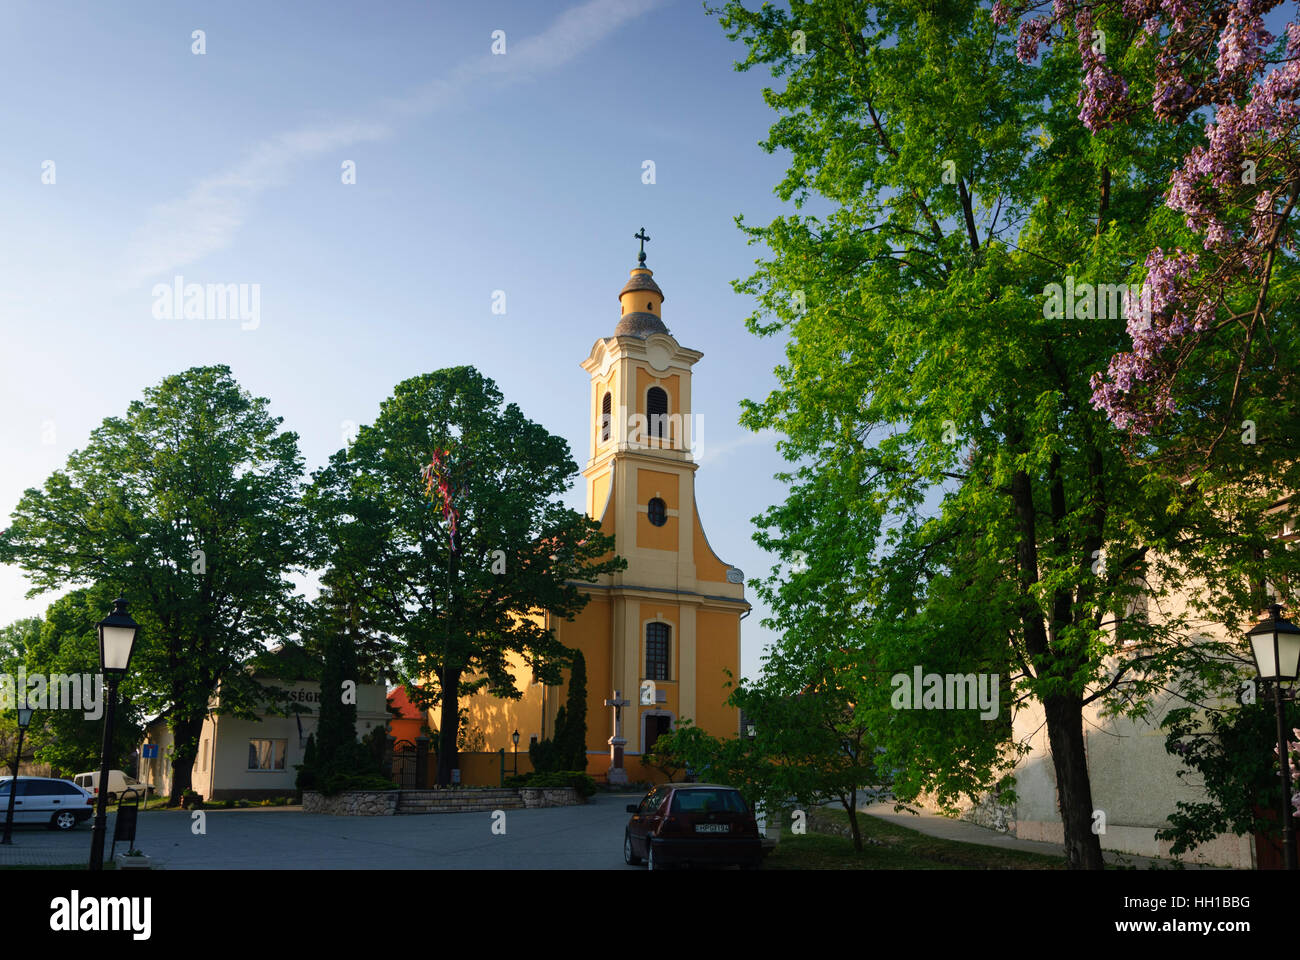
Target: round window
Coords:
[[658, 512]]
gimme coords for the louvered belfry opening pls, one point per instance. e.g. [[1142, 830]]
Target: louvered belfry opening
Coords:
[[657, 412], [606, 410]]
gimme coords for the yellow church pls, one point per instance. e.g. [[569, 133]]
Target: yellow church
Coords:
[[673, 615]]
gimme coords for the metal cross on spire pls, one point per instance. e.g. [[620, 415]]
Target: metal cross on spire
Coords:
[[640, 257]]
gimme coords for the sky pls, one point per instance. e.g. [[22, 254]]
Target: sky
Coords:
[[131, 159]]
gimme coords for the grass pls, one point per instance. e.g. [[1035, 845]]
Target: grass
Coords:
[[895, 848]]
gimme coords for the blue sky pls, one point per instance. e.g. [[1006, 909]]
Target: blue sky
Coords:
[[519, 172]]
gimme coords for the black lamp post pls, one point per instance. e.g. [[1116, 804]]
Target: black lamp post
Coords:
[[24, 719], [515, 737], [1275, 645], [117, 634]]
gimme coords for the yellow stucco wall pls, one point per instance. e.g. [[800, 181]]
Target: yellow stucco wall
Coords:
[[656, 483], [645, 379], [717, 646], [707, 564]]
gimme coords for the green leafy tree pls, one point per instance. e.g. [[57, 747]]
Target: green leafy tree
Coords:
[[335, 750], [188, 506], [15, 640], [457, 592], [1232, 755], [68, 644], [685, 747], [961, 504], [810, 742]]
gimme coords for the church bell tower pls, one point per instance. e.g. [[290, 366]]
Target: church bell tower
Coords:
[[674, 613]]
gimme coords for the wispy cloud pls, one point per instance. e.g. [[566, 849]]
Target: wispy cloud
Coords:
[[712, 451], [207, 218]]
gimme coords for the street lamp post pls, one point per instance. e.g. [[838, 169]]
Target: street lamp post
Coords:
[[1275, 646], [24, 719], [515, 737], [117, 634]]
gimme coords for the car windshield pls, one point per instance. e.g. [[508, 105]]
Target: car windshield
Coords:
[[708, 801]]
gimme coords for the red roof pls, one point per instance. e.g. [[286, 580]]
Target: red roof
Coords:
[[398, 700]]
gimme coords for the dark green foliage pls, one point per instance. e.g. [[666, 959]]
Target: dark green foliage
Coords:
[[189, 506], [454, 612], [307, 779], [334, 760], [567, 748], [1235, 761], [573, 739], [582, 782]]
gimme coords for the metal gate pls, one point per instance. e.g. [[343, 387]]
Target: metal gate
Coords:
[[405, 765]]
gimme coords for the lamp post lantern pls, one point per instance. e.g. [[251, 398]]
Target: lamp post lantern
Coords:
[[117, 633], [515, 738], [24, 720], [1275, 647]]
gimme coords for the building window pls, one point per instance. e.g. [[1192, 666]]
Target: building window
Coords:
[[658, 511], [606, 408], [656, 404], [656, 651], [203, 757], [266, 754]]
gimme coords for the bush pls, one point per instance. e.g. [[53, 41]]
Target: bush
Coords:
[[339, 782], [582, 782]]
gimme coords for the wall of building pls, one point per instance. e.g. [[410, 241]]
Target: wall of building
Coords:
[[1134, 780], [221, 769]]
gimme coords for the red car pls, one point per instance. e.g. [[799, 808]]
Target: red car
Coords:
[[692, 823]]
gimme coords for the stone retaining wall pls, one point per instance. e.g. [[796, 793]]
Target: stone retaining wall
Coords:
[[549, 796], [352, 803], [385, 803]]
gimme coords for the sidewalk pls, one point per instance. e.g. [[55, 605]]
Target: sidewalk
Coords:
[[946, 828]]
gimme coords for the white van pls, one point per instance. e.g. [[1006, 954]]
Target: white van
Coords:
[[118, 784]]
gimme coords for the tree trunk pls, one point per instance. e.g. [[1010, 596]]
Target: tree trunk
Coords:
[[449, 683], [1074, 791], [852, 808], [185, 736]]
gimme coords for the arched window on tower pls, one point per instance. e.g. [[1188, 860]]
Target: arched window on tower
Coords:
[[656, 402], [657, 637], [606, 408]]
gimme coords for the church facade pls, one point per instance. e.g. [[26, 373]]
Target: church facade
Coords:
[[673, 615]]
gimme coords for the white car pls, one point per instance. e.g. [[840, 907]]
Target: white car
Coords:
[[119, 784], [60, 804]]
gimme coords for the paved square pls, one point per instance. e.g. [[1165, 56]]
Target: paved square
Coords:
[[586, 837]]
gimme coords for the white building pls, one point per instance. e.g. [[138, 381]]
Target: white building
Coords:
[[255, 759]]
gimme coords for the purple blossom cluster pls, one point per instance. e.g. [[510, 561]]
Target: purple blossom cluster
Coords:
[[1248, 160], [1293, 753], [1171, 311]]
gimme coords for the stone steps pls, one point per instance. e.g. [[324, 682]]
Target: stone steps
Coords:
[[457, 801]]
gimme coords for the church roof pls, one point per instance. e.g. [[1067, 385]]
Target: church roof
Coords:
[[639, 324], [641, 281]]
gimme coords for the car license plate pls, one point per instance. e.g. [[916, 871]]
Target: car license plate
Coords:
[[713, 828]]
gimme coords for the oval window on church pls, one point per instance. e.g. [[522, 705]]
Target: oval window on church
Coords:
[[658, 511]]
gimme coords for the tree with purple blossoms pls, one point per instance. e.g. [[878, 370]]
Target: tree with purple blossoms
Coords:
[[1222, 307], [958, 501]]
